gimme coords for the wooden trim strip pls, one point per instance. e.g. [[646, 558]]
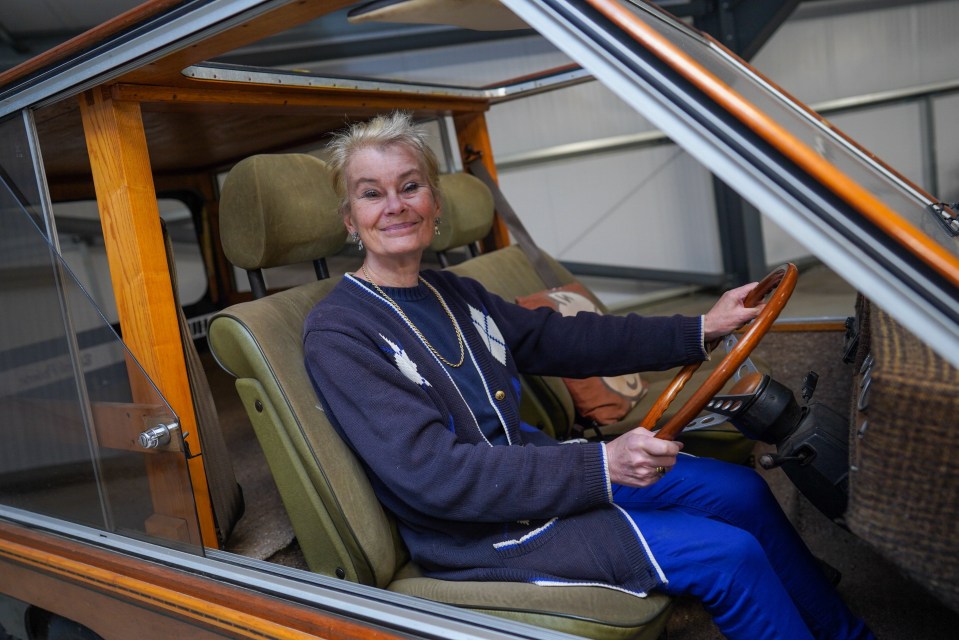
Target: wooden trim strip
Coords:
[[195, 599], [860, 199], [472, 132], [800, 326], [140, 276], [148, 595]]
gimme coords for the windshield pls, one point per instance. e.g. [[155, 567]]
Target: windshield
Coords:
[[877, 231], [815, 132]]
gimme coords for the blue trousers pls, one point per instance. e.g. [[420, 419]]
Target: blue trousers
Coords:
[[717, 533]]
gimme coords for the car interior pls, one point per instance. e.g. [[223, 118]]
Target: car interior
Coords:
[[279, 209]]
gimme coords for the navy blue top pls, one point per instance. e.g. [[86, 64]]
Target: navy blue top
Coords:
[[425, 311], [534, 511]]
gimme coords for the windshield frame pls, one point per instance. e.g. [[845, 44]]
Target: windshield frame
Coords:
[[874, 248]]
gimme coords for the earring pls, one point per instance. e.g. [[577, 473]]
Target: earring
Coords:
[[436, 226], [355, 238]]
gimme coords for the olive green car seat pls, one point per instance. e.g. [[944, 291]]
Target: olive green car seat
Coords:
[[280, 209]]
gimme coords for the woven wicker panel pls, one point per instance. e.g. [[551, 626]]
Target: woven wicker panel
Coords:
[[904, 480]]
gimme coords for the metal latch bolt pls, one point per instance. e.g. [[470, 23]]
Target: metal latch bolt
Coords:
[[158, 436]]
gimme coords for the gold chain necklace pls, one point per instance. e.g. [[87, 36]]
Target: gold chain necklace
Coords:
[[419, 334]]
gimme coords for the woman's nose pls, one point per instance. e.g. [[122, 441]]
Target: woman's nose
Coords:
[[394, 203]]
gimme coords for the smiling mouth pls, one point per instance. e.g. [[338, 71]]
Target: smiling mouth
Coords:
[[400, 226]]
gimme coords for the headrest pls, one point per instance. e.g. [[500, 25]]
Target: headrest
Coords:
[[277, 210], [467, 211]]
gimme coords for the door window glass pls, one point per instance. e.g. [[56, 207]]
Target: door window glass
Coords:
[[76, 401]]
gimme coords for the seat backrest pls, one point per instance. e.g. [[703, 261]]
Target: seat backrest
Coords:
[[547, 403], [277, 210]]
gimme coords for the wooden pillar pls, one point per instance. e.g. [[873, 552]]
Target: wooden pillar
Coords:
[[116, 144], [471, 131]]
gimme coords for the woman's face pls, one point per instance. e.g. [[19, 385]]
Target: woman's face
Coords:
[[391, 204]]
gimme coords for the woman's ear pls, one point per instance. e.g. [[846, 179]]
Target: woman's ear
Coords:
[[348, 224]]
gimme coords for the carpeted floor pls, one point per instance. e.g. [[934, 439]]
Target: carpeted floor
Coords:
[[264, 529]]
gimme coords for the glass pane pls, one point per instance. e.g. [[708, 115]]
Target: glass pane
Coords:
[[76, 399], [81, 245], [818, 136], [487, 64], [473, 58]]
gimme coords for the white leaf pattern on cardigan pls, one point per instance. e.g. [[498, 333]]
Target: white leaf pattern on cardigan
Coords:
[[406, 365], [490, 334]]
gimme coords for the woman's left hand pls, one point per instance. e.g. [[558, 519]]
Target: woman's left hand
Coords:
[[729, 313]]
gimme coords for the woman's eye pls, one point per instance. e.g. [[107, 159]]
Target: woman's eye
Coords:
[[412, 187], [369, 193]]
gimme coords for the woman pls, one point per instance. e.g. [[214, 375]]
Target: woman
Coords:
[[419, 373]]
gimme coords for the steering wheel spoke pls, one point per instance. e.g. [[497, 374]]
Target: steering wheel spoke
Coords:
[[705, 420], [748, 366]]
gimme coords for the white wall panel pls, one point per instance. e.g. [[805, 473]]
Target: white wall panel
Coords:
[[891, 133], [575, 114], [625, 209], [822, 58]]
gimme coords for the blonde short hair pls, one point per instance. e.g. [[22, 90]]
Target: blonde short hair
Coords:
[[380, 132]]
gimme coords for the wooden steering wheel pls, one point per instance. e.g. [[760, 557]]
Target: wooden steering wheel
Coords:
[[781, 281]]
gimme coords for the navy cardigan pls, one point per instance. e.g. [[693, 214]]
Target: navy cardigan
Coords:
[[532, 511]]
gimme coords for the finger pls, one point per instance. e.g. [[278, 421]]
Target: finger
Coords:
[[658, 449], [746, 288]]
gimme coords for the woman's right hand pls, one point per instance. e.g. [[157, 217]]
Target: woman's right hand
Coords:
[[637, 459], [729, 313]]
